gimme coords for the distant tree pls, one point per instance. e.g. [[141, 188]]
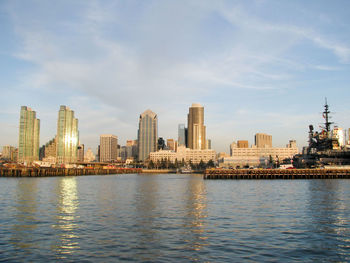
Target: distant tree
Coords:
[[150, 164], [210, 164], [201, 165]]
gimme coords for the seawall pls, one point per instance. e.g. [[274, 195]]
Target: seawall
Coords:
[[287, 174], [43, 172]]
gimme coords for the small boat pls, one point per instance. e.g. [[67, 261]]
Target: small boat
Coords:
[[186, 170]]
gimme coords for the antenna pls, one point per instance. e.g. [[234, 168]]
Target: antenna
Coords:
[[327, 123]]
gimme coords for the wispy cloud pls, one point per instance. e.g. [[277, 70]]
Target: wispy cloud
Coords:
[[111, 60]]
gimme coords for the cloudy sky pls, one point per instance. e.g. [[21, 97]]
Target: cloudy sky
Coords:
[[256, 66]]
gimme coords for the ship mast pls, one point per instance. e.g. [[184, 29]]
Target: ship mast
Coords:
[[327, 124]]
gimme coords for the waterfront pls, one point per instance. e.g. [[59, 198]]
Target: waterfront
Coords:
[[173, 218]]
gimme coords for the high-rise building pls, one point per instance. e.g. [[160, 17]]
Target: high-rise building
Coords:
[[89, 156], [7, 152], [242, 144], [182, 135], [196, 129], [170, 143], [29, 130], [147, 134], [208, 144], [80, 153], [263, 140], [131, 149], [108, 148], [67, 136], [338, 134]]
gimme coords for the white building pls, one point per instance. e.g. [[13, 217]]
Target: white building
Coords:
[[255, 156], [339, 134], [185, 154], [89, 156]]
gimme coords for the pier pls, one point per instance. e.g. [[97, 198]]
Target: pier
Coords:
[[45, 172], [270, 174]]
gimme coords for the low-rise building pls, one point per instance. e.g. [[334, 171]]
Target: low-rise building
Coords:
[[256, 156], [184, 154]]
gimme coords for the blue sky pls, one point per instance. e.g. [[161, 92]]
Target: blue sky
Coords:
[[256, 66]]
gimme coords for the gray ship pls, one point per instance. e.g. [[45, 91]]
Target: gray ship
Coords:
[[323, 150]]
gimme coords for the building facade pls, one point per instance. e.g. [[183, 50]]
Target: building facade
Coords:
[[255, 156], [108, 148], [263, 140], [29, 131], [184, 154], [8, 152], [80, 153], [67, 136], [196, 139], [147, 134], [182, 135], [171, 144], [89, 156], [242, 144]]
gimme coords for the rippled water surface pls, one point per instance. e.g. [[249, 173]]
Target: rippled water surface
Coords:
[[173, 218]]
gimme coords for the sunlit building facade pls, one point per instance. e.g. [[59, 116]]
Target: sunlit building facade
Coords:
[[67, 136], [29, 130], [147, 134], [108, 148], [184, 154], [196, 130]]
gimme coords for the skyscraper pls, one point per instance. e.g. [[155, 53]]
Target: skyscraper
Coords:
[[263, 140], [182, 135], [67, 136], [147, 134], [196, 129], [29, 130], [108, 148]]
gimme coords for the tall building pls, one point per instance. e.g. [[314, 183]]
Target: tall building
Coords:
[[196, 129], [108, 148], [7, 152], [339, 134], [89, 156], [50, 151], [182, 135], [147, 134], [170, 143], [208, 144], [263, 140], [131, 149], [29, 130], [242, 144], [67, 136], [80, 153]]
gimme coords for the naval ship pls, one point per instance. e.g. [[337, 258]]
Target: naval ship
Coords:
[[324, 149]]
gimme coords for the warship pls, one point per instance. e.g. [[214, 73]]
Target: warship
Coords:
[[324, 149]]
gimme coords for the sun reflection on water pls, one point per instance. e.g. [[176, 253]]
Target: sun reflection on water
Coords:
[[66, 226]]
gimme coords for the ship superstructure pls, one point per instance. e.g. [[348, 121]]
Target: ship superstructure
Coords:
[[323, 149]]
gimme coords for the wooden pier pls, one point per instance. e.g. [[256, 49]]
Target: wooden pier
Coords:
[[270, 174], [45, 172]]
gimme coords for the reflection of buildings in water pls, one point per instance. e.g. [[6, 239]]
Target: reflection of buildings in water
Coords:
[[147, 224], [195, 214], [25, 221], [67, 204], [328, 208]]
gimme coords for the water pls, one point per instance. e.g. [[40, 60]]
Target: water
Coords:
[[173, 218]]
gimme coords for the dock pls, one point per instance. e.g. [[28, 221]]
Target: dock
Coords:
[[279, 174], [46, 172]]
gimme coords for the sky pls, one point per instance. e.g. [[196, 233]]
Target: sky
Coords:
[[256, 66]]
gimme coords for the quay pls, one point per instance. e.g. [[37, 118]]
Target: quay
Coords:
[[287, 174], [45, 172]]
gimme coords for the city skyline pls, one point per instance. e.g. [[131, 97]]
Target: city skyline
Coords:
[[257, 67]]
